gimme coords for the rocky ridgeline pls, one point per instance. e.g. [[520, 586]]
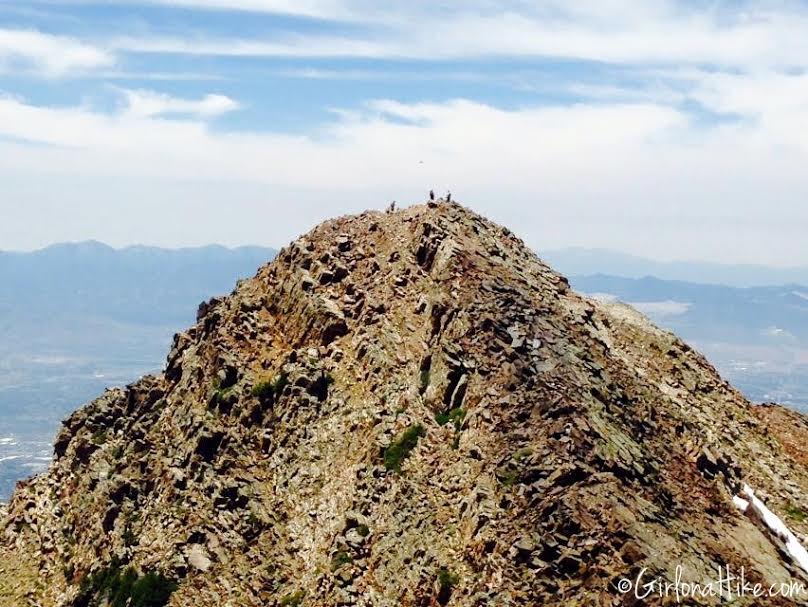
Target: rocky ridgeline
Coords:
[[406, 409]]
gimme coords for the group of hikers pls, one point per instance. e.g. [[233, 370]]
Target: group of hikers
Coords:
[[448, 198], [432, 196]]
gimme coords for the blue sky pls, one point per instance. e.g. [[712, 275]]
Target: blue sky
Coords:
[[663, 128]]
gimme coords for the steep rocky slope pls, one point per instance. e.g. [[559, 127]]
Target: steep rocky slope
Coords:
[[406, 409]]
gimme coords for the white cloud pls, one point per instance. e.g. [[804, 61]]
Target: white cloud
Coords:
[[618, 31], [287, 46], [144, 103], [657, 32], [323, 9], [631, 165], [326, 10], [33, 51], [661, 32], [637, 175]]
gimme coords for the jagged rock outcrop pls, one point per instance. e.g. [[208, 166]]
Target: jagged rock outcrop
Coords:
[[407, 409]]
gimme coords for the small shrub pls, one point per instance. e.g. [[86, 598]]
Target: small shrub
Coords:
[[116, 587], [399, 449], [255, 526], [70, 539], [446, 584], [447, 579], [128, 537], [456, 416], [796, 514], [508, 476], [220, 396], [263, 390], [99, 437], [279, 383], [423, 380], [152, 590], [270, 389], [363, 530], [340, 558], [293, 600]]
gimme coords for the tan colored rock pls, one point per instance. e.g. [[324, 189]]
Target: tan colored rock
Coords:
[[197, 558]]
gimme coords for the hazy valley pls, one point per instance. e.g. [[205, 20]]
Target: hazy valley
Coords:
[[78, 318]]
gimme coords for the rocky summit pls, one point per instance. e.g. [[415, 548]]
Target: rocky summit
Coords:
[[410, 408]]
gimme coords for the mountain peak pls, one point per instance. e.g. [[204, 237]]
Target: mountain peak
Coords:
[[405, 408]]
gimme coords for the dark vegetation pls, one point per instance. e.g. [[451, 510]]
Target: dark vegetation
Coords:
[[399, 449], [454, 416], [270, 389], [446, 584], [118, 587], [294, 599]]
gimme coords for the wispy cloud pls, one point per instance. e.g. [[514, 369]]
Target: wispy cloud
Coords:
[[615, 32], [49, 55], [657, 32], [340, 11], [144, 103], [321, 9], [285, 46]]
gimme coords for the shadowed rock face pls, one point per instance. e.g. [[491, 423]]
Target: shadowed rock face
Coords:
[[408, 409]]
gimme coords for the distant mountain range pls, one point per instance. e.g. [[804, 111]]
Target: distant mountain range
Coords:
[[581, 262], [77, 318], [136, 284], [756, 336], [750, 320], [776, 315]]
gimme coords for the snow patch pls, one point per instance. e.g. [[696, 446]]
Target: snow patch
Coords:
[[757, 508], [740, 502]]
